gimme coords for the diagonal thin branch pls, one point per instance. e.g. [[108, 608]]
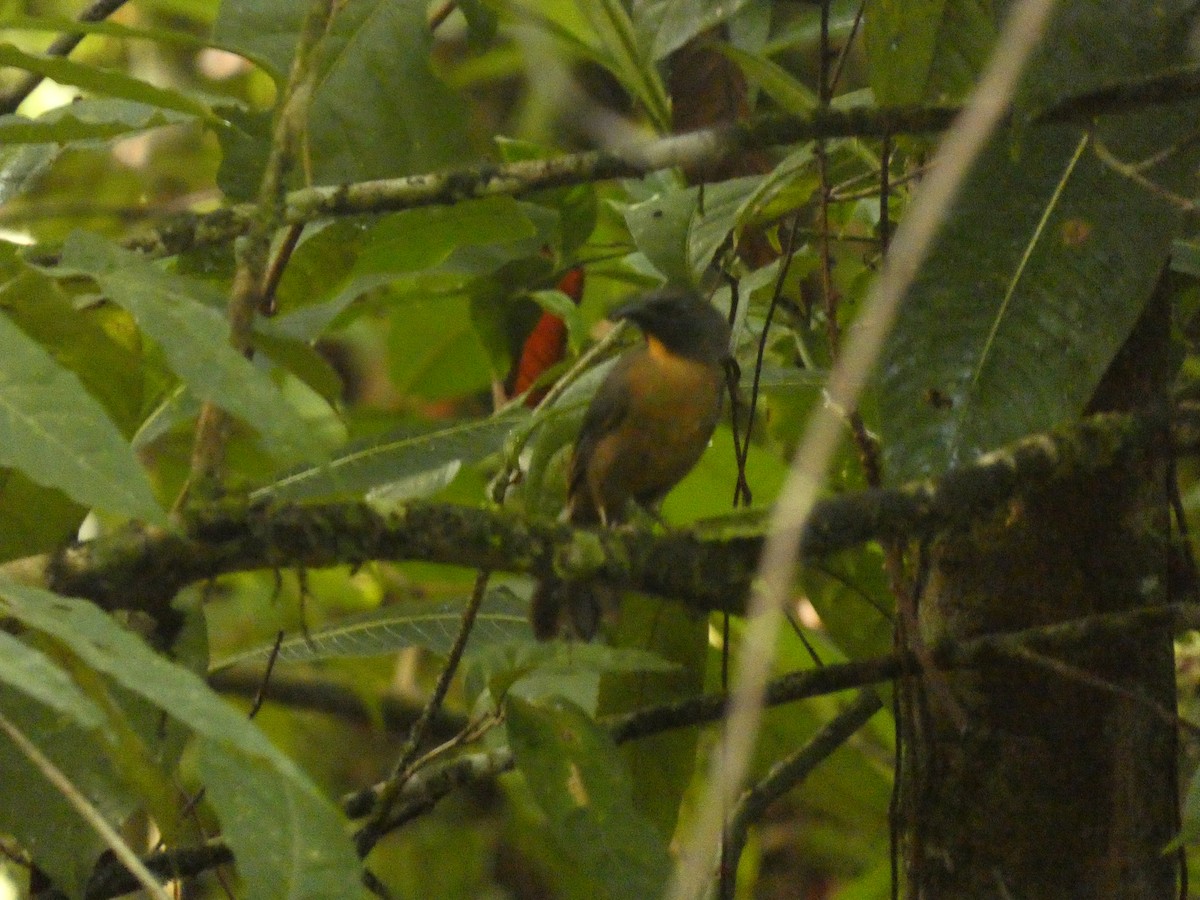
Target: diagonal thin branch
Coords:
[[60, 46], [267, 215], [86, 810]]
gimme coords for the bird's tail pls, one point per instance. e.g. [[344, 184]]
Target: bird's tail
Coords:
[[571, 609]]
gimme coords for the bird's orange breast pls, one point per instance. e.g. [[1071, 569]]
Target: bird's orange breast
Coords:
[[672, 407]]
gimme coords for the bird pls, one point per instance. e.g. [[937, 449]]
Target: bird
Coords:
[[646, 427]]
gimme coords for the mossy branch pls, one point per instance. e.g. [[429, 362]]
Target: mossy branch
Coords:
[[139, 568]]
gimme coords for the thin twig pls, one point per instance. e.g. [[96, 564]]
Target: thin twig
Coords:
[[374, 829], [52, 773], [1133, 172], [791, 771]]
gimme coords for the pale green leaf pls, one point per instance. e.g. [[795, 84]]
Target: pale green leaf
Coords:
[[574, 772], [57, 434], [394, 458], [106, 82], [33, 673], [182, 316], [289, 842], [389, 629]]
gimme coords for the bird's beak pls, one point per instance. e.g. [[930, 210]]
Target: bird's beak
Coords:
[[630, 309]]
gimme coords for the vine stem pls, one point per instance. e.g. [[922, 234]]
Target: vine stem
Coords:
[[253, 252]]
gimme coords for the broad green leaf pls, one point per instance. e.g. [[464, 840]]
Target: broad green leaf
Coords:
[[434, 352], [679, 234], [398, 626], [397, 245], [660, 766], [659, 228], [1039, 273], [900, 37], [39, 817], [401, 456], [675, 22], [98, 343], [105, 82], [289, 842], [36, 518], [503, 665], [964, 42], [57, 434], [172, 36], [68, 127], [629, 56], [180, 314], [1094, 45], [105, 646], [792, 94], [574, 772], [378, 110], [33, 673]]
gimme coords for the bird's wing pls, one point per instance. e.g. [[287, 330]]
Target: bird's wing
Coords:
[[607, 411]]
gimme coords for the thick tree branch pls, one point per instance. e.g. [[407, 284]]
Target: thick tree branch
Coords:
[[139, 568]]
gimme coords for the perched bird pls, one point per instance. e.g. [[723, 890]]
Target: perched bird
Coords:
[[645, 429]]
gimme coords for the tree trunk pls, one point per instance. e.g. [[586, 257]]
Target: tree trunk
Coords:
[[1044, 777]]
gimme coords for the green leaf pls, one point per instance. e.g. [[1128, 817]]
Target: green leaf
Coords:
[[661, 765], [1094, 45], [679, 234], [105, 82], [434, 351], [398, 245], [659, 228], [35, 517], [98, 343], [675, 22], [40, 818], [900, 37], [395, 459], [574, 772], [397, 626], [1039, 274], [964, 43], [628, 55], [181, 315], [172, 36], [289, 842], [57, 434], [378, 110], [69, 127], [792, 94], [503, 665], [105, 646], [35, 675]]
